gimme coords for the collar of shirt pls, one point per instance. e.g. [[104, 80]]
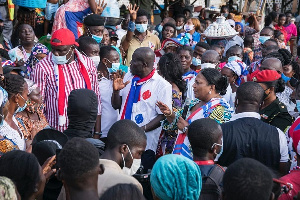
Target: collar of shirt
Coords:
[[155, 76], [110, 164], [147, 35], [244, 115]]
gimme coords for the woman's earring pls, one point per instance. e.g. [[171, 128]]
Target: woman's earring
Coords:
[[209, 92]]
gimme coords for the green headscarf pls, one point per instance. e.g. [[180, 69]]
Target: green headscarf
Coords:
[[176, 177]]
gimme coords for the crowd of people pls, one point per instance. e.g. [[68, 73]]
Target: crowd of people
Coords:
[[138, 110]]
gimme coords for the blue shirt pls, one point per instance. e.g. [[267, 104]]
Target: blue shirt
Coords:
[[195, 38]]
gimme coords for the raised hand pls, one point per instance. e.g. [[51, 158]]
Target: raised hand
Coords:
[[133, 11], [252, 14], [163, 108], [47, 167], [181, 123], [118, 83], [19, 63], [100, 7]]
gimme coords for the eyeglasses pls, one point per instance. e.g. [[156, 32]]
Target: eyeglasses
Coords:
[[216, 144]]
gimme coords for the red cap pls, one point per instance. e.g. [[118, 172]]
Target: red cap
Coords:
[[65, 36], [265, 76]]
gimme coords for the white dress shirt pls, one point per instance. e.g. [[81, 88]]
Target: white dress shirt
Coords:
[[155, 89]]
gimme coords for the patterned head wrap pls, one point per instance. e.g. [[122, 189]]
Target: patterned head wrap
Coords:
[[176, 177], [239, 68], [7, 189], [37, 49]]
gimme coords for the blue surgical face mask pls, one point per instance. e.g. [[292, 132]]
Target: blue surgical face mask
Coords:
[[285, 78], [60, 60], [221, 150], [234, 58], [159, 28], [263, 39], [298, 105], [196, 61], [97, 38], [225, 15], [141, 27], [114, 68], [20, 109]]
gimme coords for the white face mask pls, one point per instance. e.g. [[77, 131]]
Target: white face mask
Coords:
[[208, 65], [96, 60], [61, 60], [136, 163], [178, 28], [188, 28]]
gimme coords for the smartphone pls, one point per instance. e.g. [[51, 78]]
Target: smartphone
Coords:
[[57, 153]]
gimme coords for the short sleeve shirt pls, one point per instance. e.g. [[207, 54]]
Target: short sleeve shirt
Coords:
[[151, 41], [110, 115], [291, 30], [145, 110]]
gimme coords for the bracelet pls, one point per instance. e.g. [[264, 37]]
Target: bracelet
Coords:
[[131, 26], [145, 127], [97, 133], [169, 114]]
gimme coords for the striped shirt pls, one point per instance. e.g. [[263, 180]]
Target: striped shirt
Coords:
[[43, 75]]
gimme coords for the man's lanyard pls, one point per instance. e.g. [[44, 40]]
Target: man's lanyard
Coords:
[[205, 162]]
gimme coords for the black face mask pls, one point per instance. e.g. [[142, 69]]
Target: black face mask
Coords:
[[1, 29]]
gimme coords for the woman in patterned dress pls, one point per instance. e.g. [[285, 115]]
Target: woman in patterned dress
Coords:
[[208, 87], [70, 15], [32, 119], [170, 68], [6, 144]]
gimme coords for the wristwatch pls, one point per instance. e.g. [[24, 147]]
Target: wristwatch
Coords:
[[185, 129]]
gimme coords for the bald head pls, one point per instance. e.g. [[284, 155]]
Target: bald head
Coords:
[[272, 64], [267, 31], [210, 56], [269, 49], [249, 101], [142, 61], [145, 55]]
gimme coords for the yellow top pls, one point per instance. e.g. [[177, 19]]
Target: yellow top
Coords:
[[151, 41]]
